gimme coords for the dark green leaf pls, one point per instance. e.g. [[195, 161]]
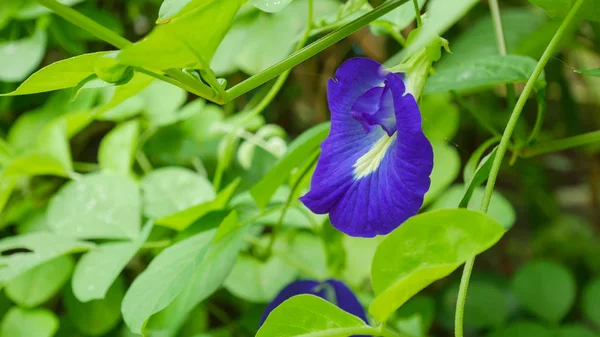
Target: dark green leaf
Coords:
[[591, 298]]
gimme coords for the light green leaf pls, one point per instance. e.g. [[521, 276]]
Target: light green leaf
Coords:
[[28, 323], [97, 206], [118, 147], [194, 50], [170, 190], [590, 72], [499, 209], [316, 316], [96, 318], [169, 9], [39, 284], [446, 167], [298, 151], [117, 95], [545, 289], [270, 6], [181, 220], [41, 247], [440, 117], [591, 298], [162, 100], [359, 256], [426, 248], [163, 280], [259, 281], [208, 276], [481, 73], [100, 267], [20, 58], [402, 16], [32, 10], [59, 75]]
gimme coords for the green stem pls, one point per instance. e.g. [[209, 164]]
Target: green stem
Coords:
[[312, 49], [562, 144], [498, 29], [502, 148], [418, 13]]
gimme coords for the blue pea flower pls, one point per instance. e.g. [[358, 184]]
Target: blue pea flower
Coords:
[[374, 167], [331, 290]]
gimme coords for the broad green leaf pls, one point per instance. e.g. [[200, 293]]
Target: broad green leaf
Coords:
[[441, 117], [169, 9], [545, 289], [591, 298], [575, 330], [524, 329], [316, 315], [590, 72], [499, 209], [118, 147], [97, 206], [117, 95], [163, 280], [100, 267], [426, 248], [270, 6], [20, 58], [40, 247], [28, 323], [298, 151], [194, 50], [446, 167], [181, 220], [209, 275], [39, 284], [59, 75], [481, 73], [162, 100], [259, 281], [97, 317], [170, 190]]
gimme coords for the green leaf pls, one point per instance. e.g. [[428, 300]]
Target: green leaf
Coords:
[[20, 58], [446, 167], [97, 206], [117, 95], [316, 316], [59, 75], [170, 190], [545, 289], [499, 209], [270, 6], [441, 117], [39, 284], [118, 147], [481, 73], [259, 281], [426, 248], [298, 151], [162, 100], [209, 275], [40, 246], [524, 329], [31, 9], [194, 50], [420, 307], [591, 298], [481, 175], [560, 8], [28, 323], [402, 16], [169, 9], [100, 267], [96, 318], [575, 330], [163, 280], [181, 220], [590, 72]]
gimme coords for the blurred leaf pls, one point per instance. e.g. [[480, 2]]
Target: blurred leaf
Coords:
[[59, 75], [31, 250], [270, 6], [31, 10], [441, 117], [97, 206], [170, 190], [575, 330], [162, 100], [39, 284], [524, 329], [96, 318], [479, 177], [298, 151], [545, 289], [181, 220], [28, 323], [560, 8], [98, 269], [591, 298], [427, 247], [446, 167], [117, 95], [118, 147], [194, 50], [402, 16], [481, 73], [590, 72], [420, 306], [333, 242], [20, 58], [316, 314]]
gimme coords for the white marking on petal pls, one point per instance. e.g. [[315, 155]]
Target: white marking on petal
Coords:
[[370, 161]]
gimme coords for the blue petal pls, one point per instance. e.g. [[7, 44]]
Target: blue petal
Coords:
[[368, 181]]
